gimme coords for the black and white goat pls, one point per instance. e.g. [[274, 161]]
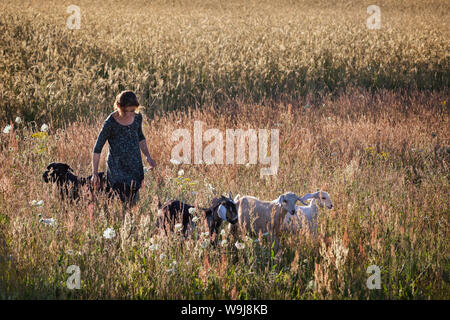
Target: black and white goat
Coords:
[[175, 211]]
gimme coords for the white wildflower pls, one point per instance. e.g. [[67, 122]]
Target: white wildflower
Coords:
[[204, 234], [191, 210], [109, 233], [211, 188], [311, 285], [181, 173], [154, 247], [39, 203], [162, 256], [204, 244], [7, 129], [178, 227], [49, 221], [195, 219], [239, 245], [44, 127], [223, 243], [175, 162], [222, 232], [18, 120]]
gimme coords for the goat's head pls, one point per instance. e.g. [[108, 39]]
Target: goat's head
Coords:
[[59, 172], [322, 198], [288, 200], [226, 208]]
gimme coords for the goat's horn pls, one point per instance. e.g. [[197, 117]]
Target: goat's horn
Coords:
[[230, 195]]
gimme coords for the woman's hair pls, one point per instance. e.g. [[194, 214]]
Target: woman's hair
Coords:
[[126, 98]]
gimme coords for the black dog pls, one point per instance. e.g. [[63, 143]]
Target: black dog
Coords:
[[68, 183]]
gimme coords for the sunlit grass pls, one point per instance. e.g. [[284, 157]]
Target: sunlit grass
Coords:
[[390, 208], [190, 53], [362, 114]]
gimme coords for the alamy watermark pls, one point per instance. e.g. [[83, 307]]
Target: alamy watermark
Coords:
[[374, 281], [73, 22], [213, 153], [374, 21], [74, 280]]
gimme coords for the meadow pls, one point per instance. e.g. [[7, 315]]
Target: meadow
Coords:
[[362, 114]]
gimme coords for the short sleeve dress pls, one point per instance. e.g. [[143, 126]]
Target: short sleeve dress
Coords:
[[124, 161]]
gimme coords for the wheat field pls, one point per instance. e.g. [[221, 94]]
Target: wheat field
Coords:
[[362, 114]]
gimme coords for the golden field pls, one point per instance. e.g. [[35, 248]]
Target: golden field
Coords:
[[362, 114]]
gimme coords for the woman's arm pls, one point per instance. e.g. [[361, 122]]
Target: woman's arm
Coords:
[[144, 149], [143, 144], [95, 162], [101, 140]]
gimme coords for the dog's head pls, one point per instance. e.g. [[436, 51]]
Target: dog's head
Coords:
[[59, 172]]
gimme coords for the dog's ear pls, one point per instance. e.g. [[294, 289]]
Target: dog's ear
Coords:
[[51, 165]]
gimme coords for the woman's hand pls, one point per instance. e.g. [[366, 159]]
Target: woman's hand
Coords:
[[151, 163], [95, 180]]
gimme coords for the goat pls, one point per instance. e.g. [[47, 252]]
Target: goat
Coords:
[[264, 216], [310, 212], [68, 183], [221, 209]]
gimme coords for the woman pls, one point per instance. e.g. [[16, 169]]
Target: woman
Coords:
[[123, 131]]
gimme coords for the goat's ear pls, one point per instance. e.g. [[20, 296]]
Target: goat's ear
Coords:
[[281, 199], [301, 200], [230, 195], [222, 212]]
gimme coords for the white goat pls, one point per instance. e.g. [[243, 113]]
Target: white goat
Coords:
[[310, 212], [264, 216]]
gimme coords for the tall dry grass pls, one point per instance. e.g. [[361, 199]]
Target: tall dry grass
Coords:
[[383, 158], [191, 53]]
